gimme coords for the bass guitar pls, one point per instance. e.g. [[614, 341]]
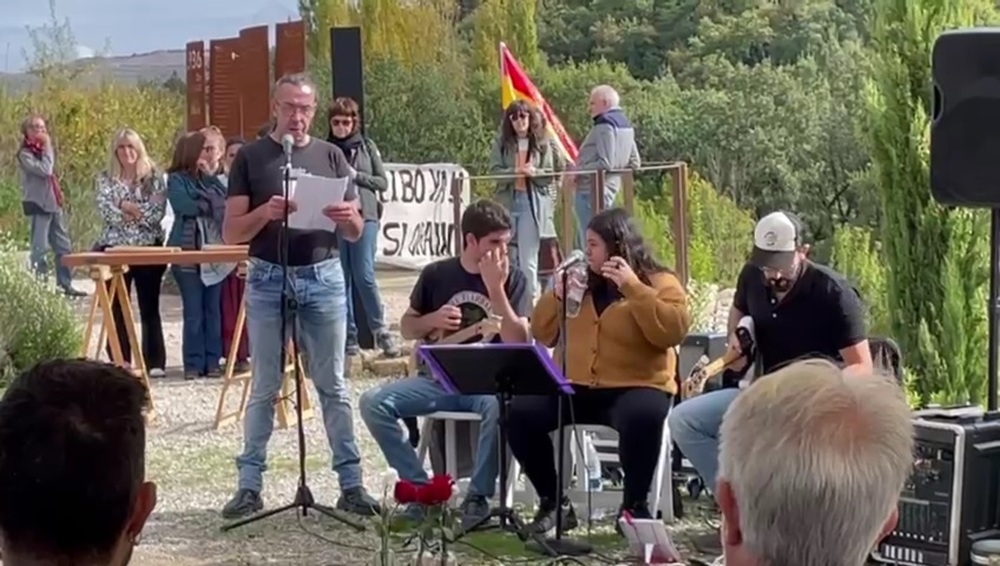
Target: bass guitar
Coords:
[[704, 370]]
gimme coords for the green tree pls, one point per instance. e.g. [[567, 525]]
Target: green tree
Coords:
[[937, 257], [510, 21]]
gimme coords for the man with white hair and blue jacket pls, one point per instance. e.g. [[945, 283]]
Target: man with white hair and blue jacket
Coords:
[[609, 146]]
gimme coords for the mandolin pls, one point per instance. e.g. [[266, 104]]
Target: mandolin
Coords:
[[487, 329]]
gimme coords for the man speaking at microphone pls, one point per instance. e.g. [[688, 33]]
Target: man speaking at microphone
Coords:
[[800, 309], [255, 211]]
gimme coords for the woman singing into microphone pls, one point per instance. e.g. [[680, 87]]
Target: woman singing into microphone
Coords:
[[621, 360]]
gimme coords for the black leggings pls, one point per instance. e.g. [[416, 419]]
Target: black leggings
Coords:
[[148, 280], [636, 413]]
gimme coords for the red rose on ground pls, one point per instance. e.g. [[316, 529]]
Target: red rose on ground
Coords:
[[438, 491], [406, 492]]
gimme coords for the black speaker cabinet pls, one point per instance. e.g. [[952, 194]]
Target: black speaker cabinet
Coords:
[[349, 82], [965, 118], [348, 67]]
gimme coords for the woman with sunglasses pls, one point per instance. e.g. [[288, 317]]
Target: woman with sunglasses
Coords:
[[523, 156], [358, 258]]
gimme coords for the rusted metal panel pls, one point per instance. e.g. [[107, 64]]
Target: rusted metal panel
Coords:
[[290, 48], [254, 79], [225, 105], [195, 63]]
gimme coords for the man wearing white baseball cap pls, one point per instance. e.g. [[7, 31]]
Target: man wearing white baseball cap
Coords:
[[799, 309]]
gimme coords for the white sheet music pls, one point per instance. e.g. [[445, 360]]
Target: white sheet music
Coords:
[[311, 194]]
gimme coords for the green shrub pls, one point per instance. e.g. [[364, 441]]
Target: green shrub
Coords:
[[37, 323]]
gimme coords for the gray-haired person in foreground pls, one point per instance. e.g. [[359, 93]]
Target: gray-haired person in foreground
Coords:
[[811, 466]]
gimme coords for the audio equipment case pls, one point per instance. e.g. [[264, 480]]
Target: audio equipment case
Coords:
[[951, 499]]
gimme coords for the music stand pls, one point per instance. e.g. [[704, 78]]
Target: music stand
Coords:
[[503, 370]]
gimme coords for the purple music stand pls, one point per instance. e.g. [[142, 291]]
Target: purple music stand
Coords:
[[479, 369], [502, 370]]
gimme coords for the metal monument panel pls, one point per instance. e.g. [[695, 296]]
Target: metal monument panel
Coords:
[[196, 95]]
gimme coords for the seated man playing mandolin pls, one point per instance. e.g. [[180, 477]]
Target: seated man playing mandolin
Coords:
[[475, 297]]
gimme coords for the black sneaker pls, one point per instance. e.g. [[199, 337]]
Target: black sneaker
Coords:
[[387, 343], [638, 510], [545, 518], [474, 509], [244, 502], [356, 500], [242, 367]]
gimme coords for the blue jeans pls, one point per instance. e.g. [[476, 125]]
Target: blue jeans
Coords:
[[526, 239], [358, 262], [382, 407], [694, 426], [322, 328], [585, 211], [49, 231], [202, 307]]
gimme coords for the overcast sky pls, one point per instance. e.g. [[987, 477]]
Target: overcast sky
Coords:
[[134, 26]]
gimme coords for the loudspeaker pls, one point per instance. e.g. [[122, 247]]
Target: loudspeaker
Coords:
[[348, 67], [348, 81], [965, 118]]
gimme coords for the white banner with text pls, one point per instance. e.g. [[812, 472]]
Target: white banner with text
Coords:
[[418, 220]]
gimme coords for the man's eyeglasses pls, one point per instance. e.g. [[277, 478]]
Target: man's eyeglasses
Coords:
[[290, 108]]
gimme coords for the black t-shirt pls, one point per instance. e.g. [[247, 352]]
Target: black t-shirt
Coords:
[[257, 173], [446, 282], [819, 316]]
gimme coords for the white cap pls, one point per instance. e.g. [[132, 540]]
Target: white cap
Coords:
[[776, 238]]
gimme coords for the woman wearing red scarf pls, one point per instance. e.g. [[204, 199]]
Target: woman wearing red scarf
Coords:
[[43, 202]]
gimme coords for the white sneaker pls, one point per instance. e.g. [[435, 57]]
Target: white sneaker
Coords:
[[157, 372]]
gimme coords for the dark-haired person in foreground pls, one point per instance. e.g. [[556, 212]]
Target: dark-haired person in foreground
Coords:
[[621, 361], [72, 463], [452, 294], [799, 309]]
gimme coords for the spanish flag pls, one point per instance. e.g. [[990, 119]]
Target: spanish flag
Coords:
[[515, 85]]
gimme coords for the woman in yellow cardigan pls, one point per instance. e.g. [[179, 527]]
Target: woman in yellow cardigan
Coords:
[[621, 361]]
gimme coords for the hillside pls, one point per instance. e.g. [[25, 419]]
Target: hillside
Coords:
[[156, 66]]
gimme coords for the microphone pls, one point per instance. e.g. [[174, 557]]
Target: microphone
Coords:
[[575, 257], [287, 141]]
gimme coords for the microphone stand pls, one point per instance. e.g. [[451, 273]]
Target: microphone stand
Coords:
[[560, 545], [304, 500]]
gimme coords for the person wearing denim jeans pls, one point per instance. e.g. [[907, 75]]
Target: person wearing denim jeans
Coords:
[[201, 306], [197, 198], [799, 309], [300, 269], [358, 258], [451, 294], [524, 156]]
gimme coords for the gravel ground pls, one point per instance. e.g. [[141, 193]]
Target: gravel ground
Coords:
[[192, 464]]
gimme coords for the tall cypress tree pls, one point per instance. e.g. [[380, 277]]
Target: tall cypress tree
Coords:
[[936, 255]]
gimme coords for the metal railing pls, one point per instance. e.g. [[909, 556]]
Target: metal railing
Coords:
[[565, 182]]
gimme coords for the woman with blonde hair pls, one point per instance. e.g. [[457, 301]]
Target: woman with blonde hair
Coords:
[[132, 199]]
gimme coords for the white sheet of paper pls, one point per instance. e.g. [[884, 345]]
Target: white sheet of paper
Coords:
[[311, 194]]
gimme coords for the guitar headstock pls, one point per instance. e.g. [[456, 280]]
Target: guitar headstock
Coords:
[[695, 380]]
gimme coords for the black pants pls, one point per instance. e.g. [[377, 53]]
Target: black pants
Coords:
[[635, 413], [148, 280]]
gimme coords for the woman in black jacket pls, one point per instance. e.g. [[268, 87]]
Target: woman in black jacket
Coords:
[[358, 258]]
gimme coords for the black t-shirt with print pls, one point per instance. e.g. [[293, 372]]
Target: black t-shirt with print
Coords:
[[446, 282]]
